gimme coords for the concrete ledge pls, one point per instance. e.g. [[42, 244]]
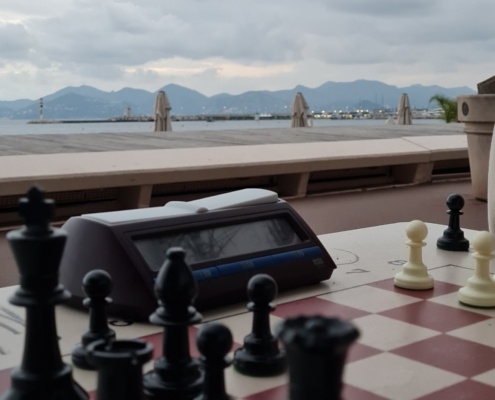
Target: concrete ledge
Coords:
[[292, 165], [442, 147]]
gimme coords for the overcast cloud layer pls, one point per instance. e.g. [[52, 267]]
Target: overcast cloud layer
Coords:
[[234, 46]]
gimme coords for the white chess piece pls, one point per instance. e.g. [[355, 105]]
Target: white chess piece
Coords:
[[480, 288], [414, 274]]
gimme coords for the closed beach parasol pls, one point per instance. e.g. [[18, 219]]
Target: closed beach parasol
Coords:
[[299, 112], [404, 116], [162, 113]]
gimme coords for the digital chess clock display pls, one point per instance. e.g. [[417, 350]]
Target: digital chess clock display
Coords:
[[227, 239], [220, 242]]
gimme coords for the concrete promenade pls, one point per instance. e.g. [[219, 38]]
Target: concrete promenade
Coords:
[[92, 142], [324, 212], [88, 172]]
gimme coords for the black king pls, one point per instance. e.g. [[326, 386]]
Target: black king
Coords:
[[38, 249]]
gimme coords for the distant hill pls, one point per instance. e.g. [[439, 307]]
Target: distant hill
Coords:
[[89, 102]]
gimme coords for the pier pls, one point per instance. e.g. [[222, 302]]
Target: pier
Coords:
[[91, 121]]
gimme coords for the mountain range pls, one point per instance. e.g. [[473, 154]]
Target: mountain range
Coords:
[[88, 102]]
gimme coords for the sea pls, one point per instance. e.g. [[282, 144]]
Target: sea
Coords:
[[22, 127]]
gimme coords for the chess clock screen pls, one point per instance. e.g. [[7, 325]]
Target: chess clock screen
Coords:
[[219, 242]]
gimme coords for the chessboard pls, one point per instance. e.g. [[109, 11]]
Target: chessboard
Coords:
[[414, 345]]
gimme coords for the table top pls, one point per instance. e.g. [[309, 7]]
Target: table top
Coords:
[[413, 345]]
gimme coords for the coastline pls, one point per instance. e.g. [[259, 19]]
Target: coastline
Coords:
[[22, 127], [89, 121]]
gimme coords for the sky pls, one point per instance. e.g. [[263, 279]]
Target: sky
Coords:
[[234, 46]]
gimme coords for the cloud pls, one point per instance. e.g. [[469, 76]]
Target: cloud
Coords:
[[215, 46], [387, 8], [15, 41]]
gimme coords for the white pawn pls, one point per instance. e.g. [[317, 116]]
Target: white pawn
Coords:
[[414, 274], [480, 289]]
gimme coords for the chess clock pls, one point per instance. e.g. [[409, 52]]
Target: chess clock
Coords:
[[227, 239]]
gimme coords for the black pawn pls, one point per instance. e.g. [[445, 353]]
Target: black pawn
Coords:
[[97, 285], [214, 342], [453, 237], [316, 351], [38, 249], [175, 375], [260, 355], [119, 364]]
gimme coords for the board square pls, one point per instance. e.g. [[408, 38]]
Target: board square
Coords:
[[369, 298], [483, 332], [397, 378], [384, 333], [488, 378], [465, 390], [456, 274], [439, 288], [276, 393], [281, 393], [241, 386], [451, 354], [434, 316], [350, 393], [358, 351], [317, 306], [452, 300], [5, 376]]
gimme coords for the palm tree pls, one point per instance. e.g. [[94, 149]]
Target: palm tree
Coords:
[[449, 107]]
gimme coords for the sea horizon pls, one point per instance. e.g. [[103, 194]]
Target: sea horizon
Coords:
[[22, 127]]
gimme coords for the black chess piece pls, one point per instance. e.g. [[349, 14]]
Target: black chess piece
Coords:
[[260, 355], [214, 342], [175, 375], [119, 364], [453, 237], [38, 249], [316, 352], [97, 285]]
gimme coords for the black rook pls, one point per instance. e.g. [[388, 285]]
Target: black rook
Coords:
[[119, 364], [316, 352]]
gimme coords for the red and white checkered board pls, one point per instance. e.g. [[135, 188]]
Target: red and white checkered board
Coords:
[[413, 345], [418, 345]]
